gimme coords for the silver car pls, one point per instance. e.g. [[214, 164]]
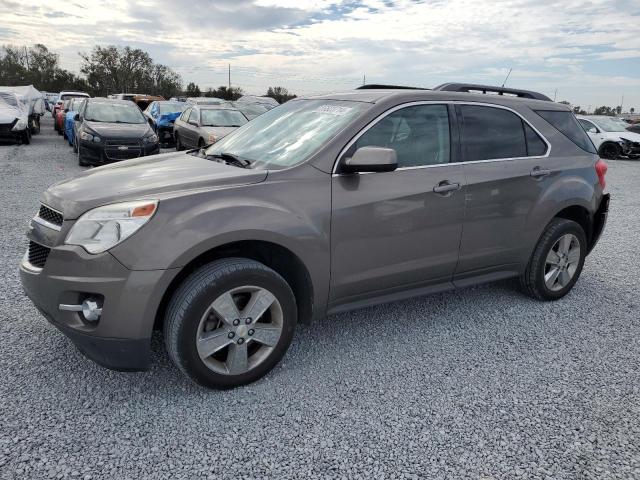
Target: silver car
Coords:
[[201, 125]]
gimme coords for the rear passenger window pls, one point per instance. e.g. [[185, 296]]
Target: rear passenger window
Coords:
[[418, 134], [567, 124], [491, 133], [535, 145]]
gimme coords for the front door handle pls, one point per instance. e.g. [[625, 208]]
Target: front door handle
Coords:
[[445, 187], [538, 172]]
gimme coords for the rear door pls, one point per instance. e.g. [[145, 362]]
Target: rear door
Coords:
[[507, 167], [397, 231]]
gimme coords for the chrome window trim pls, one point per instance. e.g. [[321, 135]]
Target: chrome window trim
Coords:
[[436, 165]]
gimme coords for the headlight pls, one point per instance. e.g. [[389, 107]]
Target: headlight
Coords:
[[89, 137], [212, 138], [104, 227], [153, 138], [20, 125]]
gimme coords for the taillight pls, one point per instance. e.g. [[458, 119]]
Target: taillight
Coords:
[[601, 170]]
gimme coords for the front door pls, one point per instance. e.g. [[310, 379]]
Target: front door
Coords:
[[398, 230]]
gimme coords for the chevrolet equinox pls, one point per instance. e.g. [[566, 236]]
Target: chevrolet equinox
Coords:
[[318, 206]]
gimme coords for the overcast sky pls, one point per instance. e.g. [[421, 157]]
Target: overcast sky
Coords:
[[588, 50]]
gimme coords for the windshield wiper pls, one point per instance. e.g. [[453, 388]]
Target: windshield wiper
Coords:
[[230, 158]]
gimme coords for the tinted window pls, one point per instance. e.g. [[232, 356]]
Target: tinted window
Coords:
[[586, 124], [419, 135], [491, 133], [193, 117], [114, 113], [535, 145], [566, 123]]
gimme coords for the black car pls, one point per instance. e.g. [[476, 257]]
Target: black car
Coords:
[[113, 130]]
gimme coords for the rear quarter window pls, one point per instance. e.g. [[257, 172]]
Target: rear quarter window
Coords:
[[567, 124]]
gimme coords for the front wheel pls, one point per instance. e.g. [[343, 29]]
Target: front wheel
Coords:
[[230, 322], [179, 145], [610, 151], [557, 261]]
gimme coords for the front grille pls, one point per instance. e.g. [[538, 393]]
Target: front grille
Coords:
[[37, 254], [6, 127], [50, 215], [114, 149]]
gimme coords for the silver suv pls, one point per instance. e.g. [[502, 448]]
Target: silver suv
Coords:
[[318, 206]]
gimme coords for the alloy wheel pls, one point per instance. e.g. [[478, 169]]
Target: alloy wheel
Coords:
[[239, 330], [562, 262]]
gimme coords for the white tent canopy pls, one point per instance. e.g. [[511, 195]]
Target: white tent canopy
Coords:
[[31, 97]]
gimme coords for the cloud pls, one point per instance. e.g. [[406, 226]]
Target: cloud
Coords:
[[585, 50]]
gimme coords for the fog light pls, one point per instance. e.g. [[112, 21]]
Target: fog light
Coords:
[[90, 309]]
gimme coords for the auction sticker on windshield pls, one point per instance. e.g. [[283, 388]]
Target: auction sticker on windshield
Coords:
[[333, 110]]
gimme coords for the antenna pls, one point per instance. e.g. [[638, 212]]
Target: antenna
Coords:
[[505, 80]]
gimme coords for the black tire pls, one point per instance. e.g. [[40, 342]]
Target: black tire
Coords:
[[75, 144], [193, 298], [179, 145], [26, 137], [532, 280], [201, 143], [610, 151], [81, 160]]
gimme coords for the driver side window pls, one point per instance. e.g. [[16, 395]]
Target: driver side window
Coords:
[[419, 134], [587, 125]]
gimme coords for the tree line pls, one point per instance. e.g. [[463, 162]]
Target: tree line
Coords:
[[106, 70]]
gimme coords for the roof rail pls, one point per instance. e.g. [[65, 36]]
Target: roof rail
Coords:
[[375, 86], [473, 88]]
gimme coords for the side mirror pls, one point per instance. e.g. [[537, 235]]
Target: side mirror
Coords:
[[593, 130], [371, 159], [195, 124], [77, 118]]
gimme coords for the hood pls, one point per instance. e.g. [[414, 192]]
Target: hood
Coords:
[[219, 132], [8, 113], [168, 118], [143, 177], [119, 130], [631, 136]]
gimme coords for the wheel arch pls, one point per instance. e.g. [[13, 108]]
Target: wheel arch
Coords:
[[275, 256]]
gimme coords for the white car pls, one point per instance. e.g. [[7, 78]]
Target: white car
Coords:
[[610, 136], [14, 118]]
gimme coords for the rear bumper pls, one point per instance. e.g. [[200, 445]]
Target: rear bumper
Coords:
[[599, 221], [165, 134]]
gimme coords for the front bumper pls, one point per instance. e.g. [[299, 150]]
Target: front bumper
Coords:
[[111, 151], [120, 339]]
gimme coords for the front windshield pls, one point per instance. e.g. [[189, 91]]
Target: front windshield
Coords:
[[114, 113], [222, 118], [610, 124], [171, 107], [289, 134]]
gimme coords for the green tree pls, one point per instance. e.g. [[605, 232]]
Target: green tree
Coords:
[[280, 94], [604, 111], [225, 93], [127, 70], [36, 66], [192, 90]]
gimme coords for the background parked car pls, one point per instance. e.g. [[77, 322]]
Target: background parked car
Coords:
[[113, 130], [206, 101], [267, 101], [162, 115], [61, 113], [251, 110], [14, 119], [34, 101], [62, 97], [200, 125], [69, 116], [611, 136], [143, 101]]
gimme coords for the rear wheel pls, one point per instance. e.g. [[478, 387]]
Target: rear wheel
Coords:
[[557, 261], [230, 322], [610, 151], [75, 144]]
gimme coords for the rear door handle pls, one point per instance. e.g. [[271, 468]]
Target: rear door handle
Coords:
[[538, 172], [446, 187]]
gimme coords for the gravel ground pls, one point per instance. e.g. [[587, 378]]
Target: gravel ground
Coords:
[[483, 383]]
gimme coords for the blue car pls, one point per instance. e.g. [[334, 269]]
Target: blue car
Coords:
[[162, 115], [69, 120]]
